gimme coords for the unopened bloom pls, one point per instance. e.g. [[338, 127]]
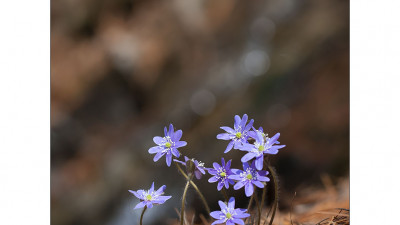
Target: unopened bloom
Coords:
[[199, 168], [238, 135], [262, 145], [168, 145], [221, 174], [150, 197], [228, 214], [248, 177]]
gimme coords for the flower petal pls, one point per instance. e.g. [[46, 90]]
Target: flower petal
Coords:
[[229, 147], [177, 135], [158, 156], [248, 157], [222, 205], [258, 183], [274, 138], [231, 203], [228, 129], [159, 140], [179, 144], [140, 205], [249, 189], [238, 221], [175, 152], [235, 177], [216, 166], [155, 149], [249, 125], [168, 158], [259, 162], [171, 130], [237, 121], [151, 190], [213, 179], [135, 193], [216, 214], [238, 185], [161, 190], [220, 186], [244, 121], [264, 179], [223, 136]]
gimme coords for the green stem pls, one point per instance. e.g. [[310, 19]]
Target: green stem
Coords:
[[203, 199], [225, 195], [183, 201], [141, 216], [275, 205], [258, 207]]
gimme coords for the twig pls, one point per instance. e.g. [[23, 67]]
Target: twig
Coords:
[[141, 216], [291, 208], [183, 201], [195, 187], [258, 207], [275, 205]]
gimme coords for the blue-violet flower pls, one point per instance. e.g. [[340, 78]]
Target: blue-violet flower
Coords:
[[221, 174], [228, 214], [168, 145], [238, 135], [150, 197], [262, 145], [249, 176], [199, 168]]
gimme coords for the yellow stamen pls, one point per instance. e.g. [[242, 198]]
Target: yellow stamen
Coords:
[[228, 215], [238, 135], [148, 197], [249, 176], [261, 148], [223, 174], [168, 145]]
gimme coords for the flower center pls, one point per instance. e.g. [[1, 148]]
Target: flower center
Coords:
[[249, 176], [168, 145], [222, 174], [228, 215], [238, 134], [261, 148], [148, 197]]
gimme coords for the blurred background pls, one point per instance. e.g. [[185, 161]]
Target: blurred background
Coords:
[[121, 70]]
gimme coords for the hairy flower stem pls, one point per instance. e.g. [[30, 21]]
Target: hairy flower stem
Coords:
[[258, 207], [250, 201], [275, 205], [225, 195], [203, 199], [183, 201], [141, 216]]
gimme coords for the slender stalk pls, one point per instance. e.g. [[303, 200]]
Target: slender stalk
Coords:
[[183, 201], [141, 216], [250, 201], [225, 194], [258, 207], [275, 205], [203, 199]]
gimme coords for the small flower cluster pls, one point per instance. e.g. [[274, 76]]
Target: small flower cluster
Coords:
[[243, 137]]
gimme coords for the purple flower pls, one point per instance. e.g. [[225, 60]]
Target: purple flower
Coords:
[[169, 145], [248, 177], [228, 214], [262, 145], [150, 197], [221, 174], [198, 167], [238, 135]]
